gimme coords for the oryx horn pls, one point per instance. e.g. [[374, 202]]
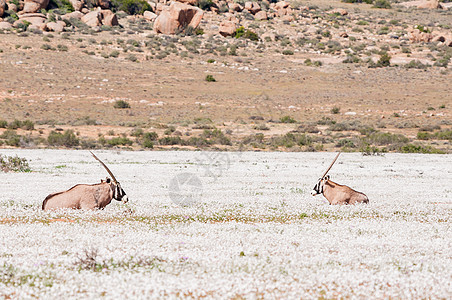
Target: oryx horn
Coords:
[[106, 168], [329, 166]]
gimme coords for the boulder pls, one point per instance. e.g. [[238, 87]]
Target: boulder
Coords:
[[13, 7], [339, 11], [191, 2], [430, 4], [5, 25], [416, 36], [227, 28], [77, 4], [288, 18], [2, 7], [74, 14], [105, 4], [34, 27], [150, 16], [109, 18], [281, 4], [37, 19], [252, 7], [32, 6], [262, 15], [235, 7], [55, 26], [177, 17], [158, 8], [93, 19]]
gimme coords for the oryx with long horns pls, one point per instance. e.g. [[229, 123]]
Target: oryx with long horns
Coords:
[[336, 193], [85, 196]]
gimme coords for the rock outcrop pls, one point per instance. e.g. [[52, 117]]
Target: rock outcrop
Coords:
[[430, 4], [227, 28], [2, 7], [92, 19], [33, 6], [177, 17]]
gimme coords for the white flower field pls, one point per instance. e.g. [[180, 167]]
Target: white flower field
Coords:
[[228, 225]]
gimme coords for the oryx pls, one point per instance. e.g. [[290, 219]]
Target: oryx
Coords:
[[86, 196], [336, 193]]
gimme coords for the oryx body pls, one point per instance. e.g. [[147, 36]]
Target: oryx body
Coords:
[[85, 196], [336, 193]]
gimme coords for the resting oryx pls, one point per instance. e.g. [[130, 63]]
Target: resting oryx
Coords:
[[85, 196], [336, 193]]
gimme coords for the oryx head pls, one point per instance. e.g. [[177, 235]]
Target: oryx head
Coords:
[[318, 188], [118, 192]]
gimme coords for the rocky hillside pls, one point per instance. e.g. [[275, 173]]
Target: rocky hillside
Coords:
[[287, 75]]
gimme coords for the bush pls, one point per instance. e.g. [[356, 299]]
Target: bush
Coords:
[[148, 139], [287, 119], [384, 61], [119, 141], [289, 140], [210, 78], [68, 139], [3, 124], [335, 110], [287, 52], [15, 124], [423, 135], [121, 104], [11, 138], [14, 164], [245, 33], [411, 148], [27, 125], [152, 136], [444, 135], [386, 138], [216, 136], [64, 6], [382, 4], [132, 7], [171, 140], [416, 64], [371, 150], [205, 4]]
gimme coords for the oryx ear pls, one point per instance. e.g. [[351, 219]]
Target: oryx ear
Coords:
[[107, 180], [102, 181]]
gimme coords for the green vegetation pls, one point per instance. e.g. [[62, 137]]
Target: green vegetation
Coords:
[[210, 78], [121, 104], [14, 164], [241, 32], [63, 6], [287, 119], [67, 139], [132, 7]]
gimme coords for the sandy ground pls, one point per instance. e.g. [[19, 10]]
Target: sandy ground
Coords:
[[250, 228]]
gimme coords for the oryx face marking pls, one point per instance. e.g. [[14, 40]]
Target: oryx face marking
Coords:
[[118, 193], [318, 188]]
